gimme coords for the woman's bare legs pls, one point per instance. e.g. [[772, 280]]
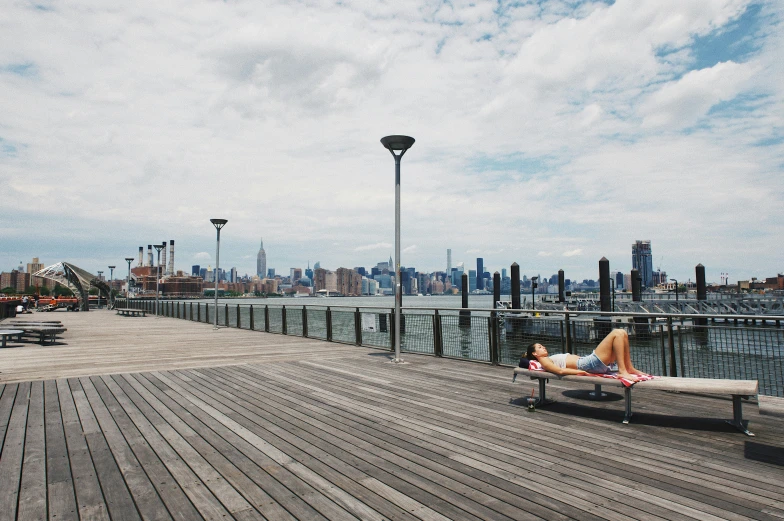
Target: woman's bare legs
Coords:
[[615, 348]]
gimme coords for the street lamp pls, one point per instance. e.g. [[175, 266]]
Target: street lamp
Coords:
[[218, 223], [128, 285], [100, 273], [676, 290], [158, 248], [401, 144], [533, 292]]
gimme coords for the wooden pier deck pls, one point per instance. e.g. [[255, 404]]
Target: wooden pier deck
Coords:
[[145, 418]]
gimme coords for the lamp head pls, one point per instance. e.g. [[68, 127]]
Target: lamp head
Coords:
[[112, 267], [219, 223], [159, 247], [396, 142]]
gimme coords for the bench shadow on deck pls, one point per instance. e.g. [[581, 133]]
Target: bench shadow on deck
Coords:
[[348, 435]]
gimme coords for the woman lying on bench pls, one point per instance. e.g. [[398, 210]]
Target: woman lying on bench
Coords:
[[614, 348]]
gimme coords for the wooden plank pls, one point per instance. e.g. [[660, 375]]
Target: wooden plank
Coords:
[[141, 492], [148, 421], [365, 494], [329, 508], [60, 496], [6, 406], [177, 503], [32, 492], [13, 453], [433, 494], [89, 497], [195, 433], [279, 483], [115, 490], [532, 455]]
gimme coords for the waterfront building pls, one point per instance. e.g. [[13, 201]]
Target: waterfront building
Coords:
[[295, 274], [349, 282], [33, 267], [642, 261], [196, 270], [270, 273], [480, 272], [261, 261], [471, 280], [233, 275]]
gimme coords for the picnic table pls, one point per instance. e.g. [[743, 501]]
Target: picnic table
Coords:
[[5, 333], [42, 331]]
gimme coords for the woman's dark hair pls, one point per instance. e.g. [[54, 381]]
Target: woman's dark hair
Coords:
[[529, 351]]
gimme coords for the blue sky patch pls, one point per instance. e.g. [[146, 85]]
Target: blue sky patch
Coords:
[[6, 148], [733, 42], [27, 69]]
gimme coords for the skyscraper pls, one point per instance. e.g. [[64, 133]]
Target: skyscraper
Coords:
[[261, 261], [642, 261], [480, 270], [448, 260]]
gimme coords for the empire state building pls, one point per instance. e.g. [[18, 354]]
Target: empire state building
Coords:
[[261, 262]]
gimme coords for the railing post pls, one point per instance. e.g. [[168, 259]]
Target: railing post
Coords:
[[568, 334], [283, 326], [490, 343], [495, 350], [266, 318], [357, 328], [438, 342], [252, 324], [304, 322], [329, 324], [671, 341], [225, 314], [207, 312], [391, 328], [239, 321], [198, 312]]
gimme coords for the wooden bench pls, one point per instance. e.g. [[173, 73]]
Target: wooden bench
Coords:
[[5, 333], [42, 332], [128, 312], [738, 389]]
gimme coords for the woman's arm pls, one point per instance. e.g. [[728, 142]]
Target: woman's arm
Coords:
[[549, 366]]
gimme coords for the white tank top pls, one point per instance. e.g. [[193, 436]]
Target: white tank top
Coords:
[[559, 360]]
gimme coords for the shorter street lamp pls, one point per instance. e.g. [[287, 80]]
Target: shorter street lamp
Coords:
[[100, 276], [158, 248], [218, 223], [533, 292], [128, 285], [111, 278], [676, 289]]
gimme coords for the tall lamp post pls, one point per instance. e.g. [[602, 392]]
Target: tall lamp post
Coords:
[[401, 144], [158, 248], [128, 285], [100, 276], [533, 292], [218, 223], [676, 290]]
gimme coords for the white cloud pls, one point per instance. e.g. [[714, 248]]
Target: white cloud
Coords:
[[683, 102], [544, 254], [202, 256], [553, 127], [573, 253]]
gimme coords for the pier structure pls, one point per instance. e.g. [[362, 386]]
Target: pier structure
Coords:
[[137, 418]]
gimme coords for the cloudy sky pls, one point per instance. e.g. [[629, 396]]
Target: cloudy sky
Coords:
[[548, 133]]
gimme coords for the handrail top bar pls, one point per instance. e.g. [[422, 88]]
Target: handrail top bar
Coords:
[[539, 311]]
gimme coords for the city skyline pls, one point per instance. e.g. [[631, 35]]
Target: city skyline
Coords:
[[548, 134]]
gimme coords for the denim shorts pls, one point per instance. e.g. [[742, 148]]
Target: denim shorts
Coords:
[[592, 364]]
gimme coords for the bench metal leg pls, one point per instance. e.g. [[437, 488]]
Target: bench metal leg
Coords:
[[597, 393], [737, 415], [627, 394]]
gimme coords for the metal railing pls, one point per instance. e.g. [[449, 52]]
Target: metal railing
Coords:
[[701, 346]]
